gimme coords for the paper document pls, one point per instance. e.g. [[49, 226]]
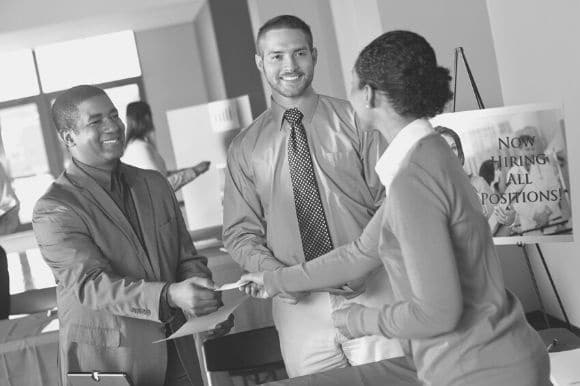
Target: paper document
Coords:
[[229, 286], [344, 290], [564, 367], [206, 322]]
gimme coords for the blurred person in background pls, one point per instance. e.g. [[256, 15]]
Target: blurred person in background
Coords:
[[141, 150]]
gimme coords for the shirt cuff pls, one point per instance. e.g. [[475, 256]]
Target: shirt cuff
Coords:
[[362, 321], [270, 283], [166, 312]]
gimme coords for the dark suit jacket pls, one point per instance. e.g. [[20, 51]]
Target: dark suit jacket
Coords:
[[108, 284]]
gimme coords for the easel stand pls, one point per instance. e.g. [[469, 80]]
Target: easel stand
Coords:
[[553, 335]]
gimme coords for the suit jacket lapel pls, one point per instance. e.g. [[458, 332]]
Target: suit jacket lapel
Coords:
[[89, 188], [144, 206]]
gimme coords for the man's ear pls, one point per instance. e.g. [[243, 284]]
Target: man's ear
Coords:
[[369, 96], [314, 54], [66, 138], [259, 62]]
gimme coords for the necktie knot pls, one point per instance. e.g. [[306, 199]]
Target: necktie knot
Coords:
[[293, 116]]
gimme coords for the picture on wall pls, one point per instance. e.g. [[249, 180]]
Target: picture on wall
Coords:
[[517, 162]]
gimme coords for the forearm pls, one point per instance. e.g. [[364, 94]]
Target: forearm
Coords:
[[403, 320], [331, 270], [120, 296], [251, 254], [179, 178]]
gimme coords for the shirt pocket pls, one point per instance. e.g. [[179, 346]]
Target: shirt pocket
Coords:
[[104, 337], [341, 165]]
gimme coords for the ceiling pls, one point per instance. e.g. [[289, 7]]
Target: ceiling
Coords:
[[29, 23]]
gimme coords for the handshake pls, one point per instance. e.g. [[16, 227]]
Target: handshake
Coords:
[[198, 296], [253, 284]]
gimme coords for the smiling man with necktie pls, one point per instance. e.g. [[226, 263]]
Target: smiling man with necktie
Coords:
[[300, 181]]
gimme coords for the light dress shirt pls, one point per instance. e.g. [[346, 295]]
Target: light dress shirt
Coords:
[[260, 225]]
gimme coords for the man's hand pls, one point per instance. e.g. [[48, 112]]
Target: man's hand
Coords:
[[201, 167], [340, 318], [255, 285], [195, 296], [222, 328], [505, 216]]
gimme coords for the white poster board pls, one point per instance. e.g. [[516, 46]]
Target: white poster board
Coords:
[[203, 133], [517, 161]]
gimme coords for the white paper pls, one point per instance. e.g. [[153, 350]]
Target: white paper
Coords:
[[206, 322], [564, 367], [229, 286]]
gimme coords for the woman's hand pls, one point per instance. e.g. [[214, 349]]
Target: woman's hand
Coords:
[[255, 286], [340, 318]]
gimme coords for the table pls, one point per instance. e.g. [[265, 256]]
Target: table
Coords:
[[28, 356], [387, 372]]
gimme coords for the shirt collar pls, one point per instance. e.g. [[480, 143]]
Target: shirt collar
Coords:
[[307, 106], [103, 177], [390, 162]]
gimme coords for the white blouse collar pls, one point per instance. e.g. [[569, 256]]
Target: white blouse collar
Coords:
[[390, 162]]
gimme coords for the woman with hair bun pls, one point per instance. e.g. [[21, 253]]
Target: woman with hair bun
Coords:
[[452, 312]]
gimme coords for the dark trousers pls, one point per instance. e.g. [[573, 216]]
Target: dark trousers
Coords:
[[4, 286], [175, 374]]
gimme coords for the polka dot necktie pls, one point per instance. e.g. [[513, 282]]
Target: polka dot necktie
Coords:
[[311, 219]]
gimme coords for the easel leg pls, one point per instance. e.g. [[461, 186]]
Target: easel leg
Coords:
[[554, 287], [535, 283]]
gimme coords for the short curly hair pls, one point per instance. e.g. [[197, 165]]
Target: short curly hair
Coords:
[[402, 64]]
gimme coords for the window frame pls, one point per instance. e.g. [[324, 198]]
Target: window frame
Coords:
[[54, 150]]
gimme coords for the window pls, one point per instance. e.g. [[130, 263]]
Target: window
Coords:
[[23, 140], [93, 60], [121, 96], [18, 76]]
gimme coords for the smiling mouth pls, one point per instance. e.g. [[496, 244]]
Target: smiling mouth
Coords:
[[291, 77], [111, 141]]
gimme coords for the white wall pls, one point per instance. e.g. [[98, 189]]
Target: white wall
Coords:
[[173, 76], [356, 23], [448, 24], [536, 44]]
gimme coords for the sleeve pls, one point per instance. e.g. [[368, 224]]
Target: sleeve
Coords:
[[79, 265], [244, 226], [179, 178], [343, 264], [417, 212], [372, 146]]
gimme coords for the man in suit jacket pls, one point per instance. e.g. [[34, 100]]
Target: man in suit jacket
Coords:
[[124, 263]]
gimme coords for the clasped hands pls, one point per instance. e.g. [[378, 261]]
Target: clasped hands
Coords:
[[255, 288], [197, 296]]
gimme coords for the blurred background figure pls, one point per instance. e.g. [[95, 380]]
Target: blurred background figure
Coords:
[[479, 183], [485, 183], [141, 150], [9, 206], [534, 216]]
